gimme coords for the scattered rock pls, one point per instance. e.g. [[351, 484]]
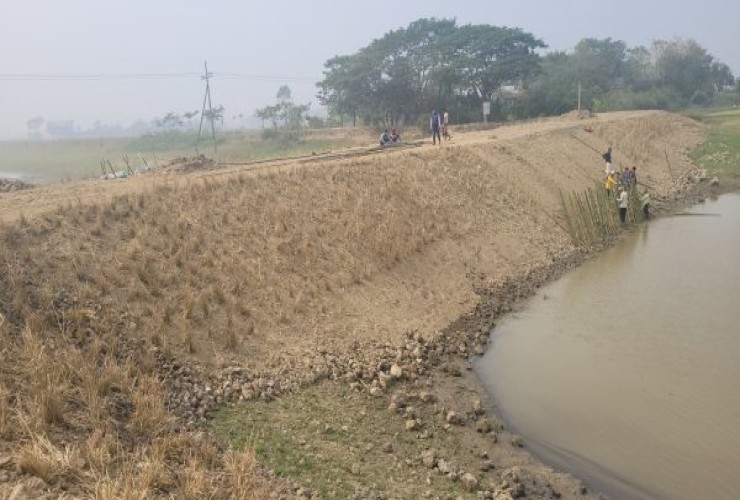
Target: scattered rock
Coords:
[[398, 402], [517, 490], [396, 371], [427, 397], [469, 482], [487, 466], [454, 418], [484, 426], [412, 425], [517, 442], [429, 458], [444, 466], [478, 407], [385, 380], [388, 447]]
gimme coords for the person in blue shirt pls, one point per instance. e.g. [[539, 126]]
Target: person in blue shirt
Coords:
[[385, 138], [626, 177], [434, 125]]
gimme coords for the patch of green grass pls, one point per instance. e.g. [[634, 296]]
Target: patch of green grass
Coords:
[[721, 150], [319, 435], [79, 158]]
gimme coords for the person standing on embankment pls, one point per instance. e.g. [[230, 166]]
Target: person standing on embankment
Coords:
[[607, 161], [434, 124], [622, 203]]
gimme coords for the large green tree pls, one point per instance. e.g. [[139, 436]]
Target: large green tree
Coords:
[[431, 62], [488, 56]]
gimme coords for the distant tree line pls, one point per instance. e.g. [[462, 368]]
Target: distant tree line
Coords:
[[431, 63], [39, 129], [171, 123], [285, 113]]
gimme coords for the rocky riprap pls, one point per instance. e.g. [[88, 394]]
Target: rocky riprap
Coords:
[[194, 391]]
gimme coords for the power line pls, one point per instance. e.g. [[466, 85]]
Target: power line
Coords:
[[146, 76], [93, 76], [249, 76]]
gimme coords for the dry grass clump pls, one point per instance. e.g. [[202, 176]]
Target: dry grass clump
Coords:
[[43, 459], [82, 409]]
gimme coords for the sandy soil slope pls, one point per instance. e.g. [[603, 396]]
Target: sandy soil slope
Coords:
[[251, 281]]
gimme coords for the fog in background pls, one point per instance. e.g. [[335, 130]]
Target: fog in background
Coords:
[[139, 59]]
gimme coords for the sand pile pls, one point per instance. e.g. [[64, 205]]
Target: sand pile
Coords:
[[192, 163], [583, 114]]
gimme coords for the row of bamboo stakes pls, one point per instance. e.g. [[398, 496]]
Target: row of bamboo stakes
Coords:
[[592, 216]]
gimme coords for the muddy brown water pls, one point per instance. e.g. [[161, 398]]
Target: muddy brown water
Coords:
[[626, 372]]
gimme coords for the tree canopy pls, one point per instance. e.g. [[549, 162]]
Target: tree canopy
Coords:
[[436, 63], [431, 62]]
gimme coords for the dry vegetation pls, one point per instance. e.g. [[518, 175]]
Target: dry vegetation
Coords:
[[89, 420], [259, 270]]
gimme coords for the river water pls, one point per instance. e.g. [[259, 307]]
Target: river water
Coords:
[[626, 371]]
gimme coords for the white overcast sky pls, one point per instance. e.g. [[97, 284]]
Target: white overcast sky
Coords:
[[289, 40]]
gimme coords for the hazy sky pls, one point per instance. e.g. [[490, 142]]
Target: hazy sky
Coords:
[[286, 42]]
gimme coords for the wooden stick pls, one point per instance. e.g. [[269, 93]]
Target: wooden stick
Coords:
[[669, 163], [128, 165], [112, 170]]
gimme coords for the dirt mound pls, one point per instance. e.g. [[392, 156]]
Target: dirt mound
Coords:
[[583, 114], [8, 185], [191, 163]]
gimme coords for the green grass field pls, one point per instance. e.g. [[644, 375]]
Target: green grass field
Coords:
[[80, 158], [721, 149]]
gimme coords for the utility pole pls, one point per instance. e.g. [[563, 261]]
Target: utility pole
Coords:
[[579, 95], [207, 99]]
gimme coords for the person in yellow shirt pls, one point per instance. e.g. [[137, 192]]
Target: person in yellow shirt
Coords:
[[609, 183]]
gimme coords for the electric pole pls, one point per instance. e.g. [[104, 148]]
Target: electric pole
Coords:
[[207, 99]]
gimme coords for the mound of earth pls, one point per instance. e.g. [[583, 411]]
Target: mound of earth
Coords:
[[583, 114], [192, 163], [8, 185]]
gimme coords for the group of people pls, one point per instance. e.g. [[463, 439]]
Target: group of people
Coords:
[[387, 138], [439, 125], [623, 182], [626, 179]]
